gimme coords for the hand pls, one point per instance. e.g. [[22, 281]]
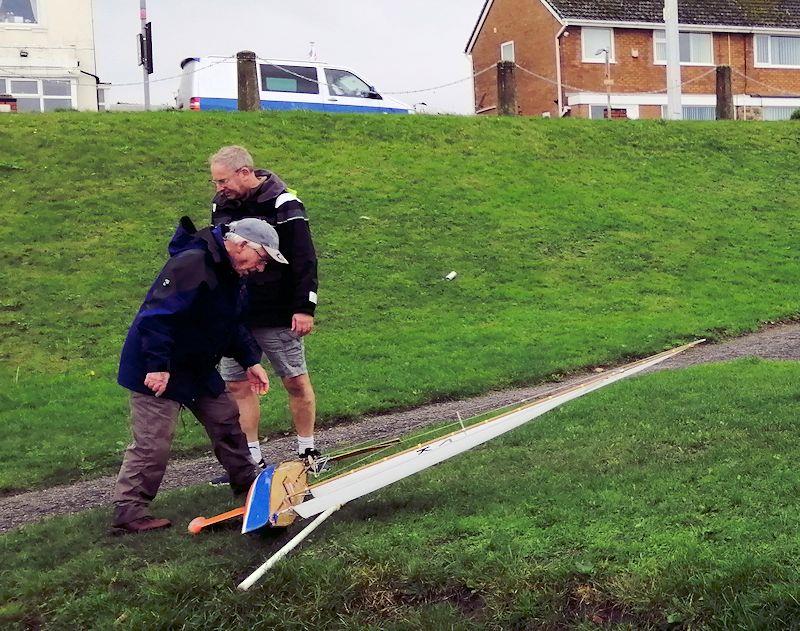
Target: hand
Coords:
[[157, 382], [302, 323], [257, 378]]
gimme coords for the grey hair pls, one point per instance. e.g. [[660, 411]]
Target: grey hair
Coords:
[[235, 238], [234, 157]]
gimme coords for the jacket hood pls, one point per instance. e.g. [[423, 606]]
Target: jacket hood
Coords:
[[269, 188], [187, 237]]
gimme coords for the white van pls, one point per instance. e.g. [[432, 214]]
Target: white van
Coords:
[[209, 83]]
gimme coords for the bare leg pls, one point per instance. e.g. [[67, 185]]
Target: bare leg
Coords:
[[249, 410], [302, 403]]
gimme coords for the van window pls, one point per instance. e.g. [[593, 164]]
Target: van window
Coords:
[[343, 83], [299, 79]]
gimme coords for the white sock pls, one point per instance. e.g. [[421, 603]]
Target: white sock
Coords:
[[255, 451], [303, 443]]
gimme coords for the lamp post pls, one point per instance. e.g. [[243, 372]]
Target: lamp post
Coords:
[[608, 81], [672, 36], [145, 73]]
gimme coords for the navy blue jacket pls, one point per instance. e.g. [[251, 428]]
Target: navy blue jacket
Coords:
[[190, 318], [280, 291]]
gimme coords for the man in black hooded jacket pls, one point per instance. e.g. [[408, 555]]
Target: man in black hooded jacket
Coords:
[[281, 300]]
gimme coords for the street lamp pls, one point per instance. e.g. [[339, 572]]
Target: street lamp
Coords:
[[607, 80], [672, 36]]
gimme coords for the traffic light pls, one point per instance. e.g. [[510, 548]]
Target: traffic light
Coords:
[[146, 48]]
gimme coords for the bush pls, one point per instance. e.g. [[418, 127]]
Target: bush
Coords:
[[795, 115]]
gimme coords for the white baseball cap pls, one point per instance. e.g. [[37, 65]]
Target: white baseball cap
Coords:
[[260, 232]]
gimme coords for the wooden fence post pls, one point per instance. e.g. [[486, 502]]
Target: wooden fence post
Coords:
[[506, 89], [724, 93], [247, 81]]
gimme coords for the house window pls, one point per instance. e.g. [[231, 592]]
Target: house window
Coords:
[[40, 95], [58, 87], [299, 79], [774, 50], [595, 42], [695, 48], [507, 51], [27, 104], [101, 99], [601, 111], [18, 11], [24, 86], [778, 112], [695, 112]]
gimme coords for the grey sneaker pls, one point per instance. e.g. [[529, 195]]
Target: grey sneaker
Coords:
[[220, 480]]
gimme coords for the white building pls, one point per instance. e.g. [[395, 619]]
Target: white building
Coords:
[[47, 55]]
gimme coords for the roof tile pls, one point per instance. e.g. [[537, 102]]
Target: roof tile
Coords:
[[759, 13]]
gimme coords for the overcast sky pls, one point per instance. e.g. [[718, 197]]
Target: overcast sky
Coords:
[[397, 46]]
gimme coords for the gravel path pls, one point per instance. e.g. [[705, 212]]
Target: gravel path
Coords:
[[780, 341]]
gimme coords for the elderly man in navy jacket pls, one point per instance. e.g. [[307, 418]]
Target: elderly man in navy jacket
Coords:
[[190, 318]]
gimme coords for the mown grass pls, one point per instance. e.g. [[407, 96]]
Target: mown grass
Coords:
[[575, 243], [668, 501]]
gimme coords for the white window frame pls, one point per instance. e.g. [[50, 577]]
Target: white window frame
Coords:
[[513, 52], [769, 64], [691, 106], [102, 96], [39, 25], [663, 40], [612, 58], [73, 90], [788, 109]]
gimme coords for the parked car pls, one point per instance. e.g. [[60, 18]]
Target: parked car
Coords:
[[210, 83]]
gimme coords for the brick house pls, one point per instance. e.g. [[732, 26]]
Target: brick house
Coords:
[[561, 42]]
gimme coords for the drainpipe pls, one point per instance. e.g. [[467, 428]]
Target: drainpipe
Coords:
[[96, 85], [558, 69]]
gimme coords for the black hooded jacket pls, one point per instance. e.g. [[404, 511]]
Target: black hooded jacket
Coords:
[[280, 291]]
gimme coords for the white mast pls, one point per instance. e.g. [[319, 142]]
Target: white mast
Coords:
[[330, 495], [349, 486]]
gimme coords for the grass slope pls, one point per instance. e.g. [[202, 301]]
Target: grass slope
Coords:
[[575, 242], [668, 501]]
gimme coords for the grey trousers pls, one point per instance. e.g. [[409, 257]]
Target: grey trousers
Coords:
[[153, 422]]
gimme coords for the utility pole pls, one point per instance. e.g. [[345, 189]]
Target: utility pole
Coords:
[[674, 108], [146, 63]]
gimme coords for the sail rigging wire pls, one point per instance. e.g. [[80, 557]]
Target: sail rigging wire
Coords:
[[415, 438]]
